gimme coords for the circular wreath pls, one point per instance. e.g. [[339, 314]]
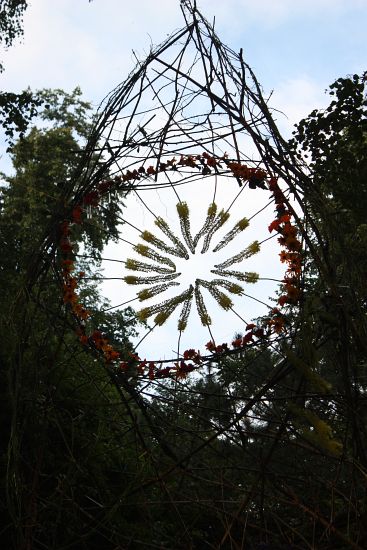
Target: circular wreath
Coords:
[[168, 125], [162, 273]]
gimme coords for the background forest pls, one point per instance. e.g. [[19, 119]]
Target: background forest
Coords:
[[265, 449]]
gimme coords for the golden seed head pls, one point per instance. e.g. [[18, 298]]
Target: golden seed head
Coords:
[[141, 249], [161, 317], [131, 264], [212, 210], [182, 209], [181, 325], [147, 236], [253, 248], [235, 289], [223, 216], [251, 277], [160, 222], [243, 224], [143, 314], [225, 302], [130, 279], [205, 319], [144, 294]]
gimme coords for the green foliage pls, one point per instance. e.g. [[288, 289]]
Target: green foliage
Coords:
[[335, 142], [11, 21], [17, 111], [45, 162], [66, 110], [62, 414]]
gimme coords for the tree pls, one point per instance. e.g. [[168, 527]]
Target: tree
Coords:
[[58, 406], [44, 163], [336, 142], [11, 22], [16, 110]]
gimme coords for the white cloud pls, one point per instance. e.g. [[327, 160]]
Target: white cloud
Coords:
[[272, 13], [295, 98], [66, 44]]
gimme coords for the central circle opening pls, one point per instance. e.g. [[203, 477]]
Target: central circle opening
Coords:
[[198, 266]]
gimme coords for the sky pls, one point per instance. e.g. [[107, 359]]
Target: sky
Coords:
[[296, 48]]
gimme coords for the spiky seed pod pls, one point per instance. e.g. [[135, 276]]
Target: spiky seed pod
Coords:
[[154, 291], [147, 252], [164, 227], [251, 277], [223, 300], [185, 312], [146, 312], [233, 288], [200, 305], [247, 276], [161, 245], [135, 280], [212, 211], [184, 216], [135, 265], [164, 309], [168, 306], [143, 314], [252, 249], [240, 226], [161, 317], [219, 221]]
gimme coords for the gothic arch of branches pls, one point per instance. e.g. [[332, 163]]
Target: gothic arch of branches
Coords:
[[193, 112]]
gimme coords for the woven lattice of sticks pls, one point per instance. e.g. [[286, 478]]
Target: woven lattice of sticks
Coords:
[[188, 143]]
